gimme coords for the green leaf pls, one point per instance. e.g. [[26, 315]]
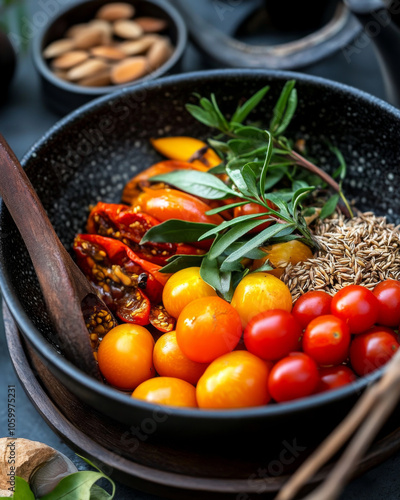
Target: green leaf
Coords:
[[22, 490], [76, 486], [202, 116], [228, 223], [97, 493], [258, 240], [267, 161], [289, 112], [329, 207], [243, 111], [274, 176], [221, 147], [342, 169], [178, 262], [233, 235], [264, 267], [197, 183], [280, 107], [220, 280], [300, 195], [176, 231], [217, 210], [257, 136], [254, 254], [236, 177], [218, 169], [222, 120], [249, 178]]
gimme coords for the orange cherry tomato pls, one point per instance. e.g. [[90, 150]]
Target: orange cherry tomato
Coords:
[[207, 328], [165, 204], [169, 360], [135, 186], [282, 254], [253, 208], [259, 292], [238, 379], [167, 391], [125, 356], [183, 287]]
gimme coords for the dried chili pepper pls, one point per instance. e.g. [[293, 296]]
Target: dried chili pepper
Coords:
[[117, 273], [123, 223]]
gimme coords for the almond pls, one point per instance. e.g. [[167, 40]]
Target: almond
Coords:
[[70, 59], [110, 53], [127, 29], [55, 49], [128, 70], [75, 29], [159, 52], [106, 29], [134, 47], [116, 11], [59, 73], [86, 69], [88, 37], [101, 79], [151, 24]]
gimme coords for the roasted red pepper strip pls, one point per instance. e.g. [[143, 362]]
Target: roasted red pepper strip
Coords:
[[127, 283], [123, 223]]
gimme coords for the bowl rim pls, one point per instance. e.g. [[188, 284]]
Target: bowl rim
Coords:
[[61, 364], [45, 72]]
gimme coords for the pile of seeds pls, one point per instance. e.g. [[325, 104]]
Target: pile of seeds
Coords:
[[363, 251], [114, 48]]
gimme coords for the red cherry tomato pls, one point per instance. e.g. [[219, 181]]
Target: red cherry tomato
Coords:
[[388, 295], [293, 377], [334, 377], [357, 306], [273, 334], [326, 340], [311, 305], [372, 349], [254, 208]]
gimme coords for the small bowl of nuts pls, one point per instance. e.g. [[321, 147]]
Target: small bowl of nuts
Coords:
[[98, 46]]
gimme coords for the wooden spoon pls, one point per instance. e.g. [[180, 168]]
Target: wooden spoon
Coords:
[[69, 296]]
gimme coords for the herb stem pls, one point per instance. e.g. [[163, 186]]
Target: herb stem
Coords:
[[303, 162]]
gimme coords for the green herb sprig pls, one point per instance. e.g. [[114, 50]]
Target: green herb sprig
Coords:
[[261, 167]]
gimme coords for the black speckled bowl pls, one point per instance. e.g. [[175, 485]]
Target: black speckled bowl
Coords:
[[89, 155], [63, 96]]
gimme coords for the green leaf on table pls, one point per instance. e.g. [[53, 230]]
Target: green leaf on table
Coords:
[[197, 183], [22, 490], [176, 231], [244, 110], [97, 493], [77, 486]]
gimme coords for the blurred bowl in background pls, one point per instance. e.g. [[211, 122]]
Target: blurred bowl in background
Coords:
[[63, 96]]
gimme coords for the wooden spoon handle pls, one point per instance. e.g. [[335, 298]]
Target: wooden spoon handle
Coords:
[[53, 265]]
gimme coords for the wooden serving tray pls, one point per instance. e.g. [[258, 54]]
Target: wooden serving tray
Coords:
[[165, 470]]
